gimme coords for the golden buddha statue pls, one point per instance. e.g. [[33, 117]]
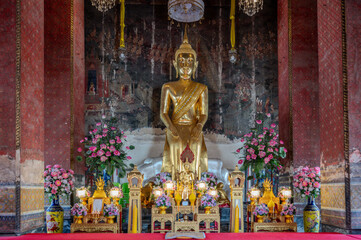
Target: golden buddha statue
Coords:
[[268, 197], [189, 101], [146, 193], [223, 199], [186, 177]]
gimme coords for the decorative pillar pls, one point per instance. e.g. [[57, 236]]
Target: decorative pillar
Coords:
[[135, 180], [21, 116], [236, 180]]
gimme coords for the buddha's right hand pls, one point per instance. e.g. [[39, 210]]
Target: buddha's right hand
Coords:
[[173, 131]]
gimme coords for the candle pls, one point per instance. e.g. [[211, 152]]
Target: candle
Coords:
[[236, 220], [135, 217]]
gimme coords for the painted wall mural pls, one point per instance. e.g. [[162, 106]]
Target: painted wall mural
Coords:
[[129, 88]]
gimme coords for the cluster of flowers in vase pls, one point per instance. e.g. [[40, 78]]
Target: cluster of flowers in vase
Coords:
[[163, 201], [214, 192], [281, 190], [58, 181], [261, 150], [208, 201], [110, 210], [307, 182], [78, 210], [261, 210], [104, 149], [210, 178], [162, 177], [288, 209]]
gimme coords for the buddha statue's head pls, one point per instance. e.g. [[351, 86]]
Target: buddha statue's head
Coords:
[[185, 61]]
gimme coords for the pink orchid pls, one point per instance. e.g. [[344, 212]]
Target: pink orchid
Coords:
[[240, 161], [79, 149], [266, 160], [238, 150], [258, 121], [103, 146], [262, 154], [242, 139], [316, 184], [93, 148], [254, 156], [104, 135], [248, 157], [281, 142], [57, 166], [98, 124], [129, 157], [71, 171], [93, 154], [116, 153], [65, 175], [273, 125], [119, 141], [81, 141], [100, 153], [48, 166], [270, 149], [261, 147], [54, 174], [108, 154], [268, 114], [103, 158], [111, 141], [113, 128], [105, 130], [304, 183], [53, 191], [95, 130]]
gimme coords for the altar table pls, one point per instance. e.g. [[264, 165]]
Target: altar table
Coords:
[[209, 236]]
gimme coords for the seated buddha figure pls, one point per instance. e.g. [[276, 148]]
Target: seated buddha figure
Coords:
[[269, 198], [184, 111]]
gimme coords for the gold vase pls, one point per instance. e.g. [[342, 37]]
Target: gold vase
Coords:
[[208, 210], [78, 219], [162, 209], [110, 219], [260, 219], [289, 219]]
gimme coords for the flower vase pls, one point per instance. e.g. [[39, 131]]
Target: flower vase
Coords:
[[260, 219], [78, 219], [311, 217], [54, 217], [288, 219], [208, 210], [163, 209], [110, 219]]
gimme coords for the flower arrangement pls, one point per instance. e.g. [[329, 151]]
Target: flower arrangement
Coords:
[[161, 178], [288, 209], [110, 210], [78, 210], [210, 178], [307, 181], [208, 201], [167, 184], [163, 201], [58, 181], [104, 149], [261, 210], [213, 192], [261, 150]]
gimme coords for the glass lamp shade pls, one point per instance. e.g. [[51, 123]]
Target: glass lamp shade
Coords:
[[169, 185], [157, 192], [186, 10], [115, 192], [255, 193], [287, 193], [202, 185], [81, 192], [212, 192]]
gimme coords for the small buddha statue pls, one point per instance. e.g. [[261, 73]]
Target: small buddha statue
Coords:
[[186, 177], [185, 192], [146, 193], [223, 199], [269, 197]]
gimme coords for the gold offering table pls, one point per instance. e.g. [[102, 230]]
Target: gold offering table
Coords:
[[275, 227], [185, 219], [95, 224]]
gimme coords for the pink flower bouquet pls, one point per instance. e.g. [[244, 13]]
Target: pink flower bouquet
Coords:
[[104, 149], [261, 150], [58, 181], [307, 182], [110, 210], [261, 210], [78, 210], [163, 201], [288, 209], [210, 178]]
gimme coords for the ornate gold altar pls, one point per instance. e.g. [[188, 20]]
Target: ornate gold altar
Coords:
[[95, 221], [273, 222]]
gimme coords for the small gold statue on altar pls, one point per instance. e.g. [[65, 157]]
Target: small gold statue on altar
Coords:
[[269, 198], [189, 101], [223, 199]]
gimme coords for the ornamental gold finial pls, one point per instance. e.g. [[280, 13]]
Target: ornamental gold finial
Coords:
[[267, 183], [185, 47], [100, 184]]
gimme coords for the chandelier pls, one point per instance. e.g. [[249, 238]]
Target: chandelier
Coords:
[[103, 5], [250, 7], [186, 10]]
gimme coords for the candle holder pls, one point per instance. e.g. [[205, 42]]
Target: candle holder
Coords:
[[115, 194], [83, 194]]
